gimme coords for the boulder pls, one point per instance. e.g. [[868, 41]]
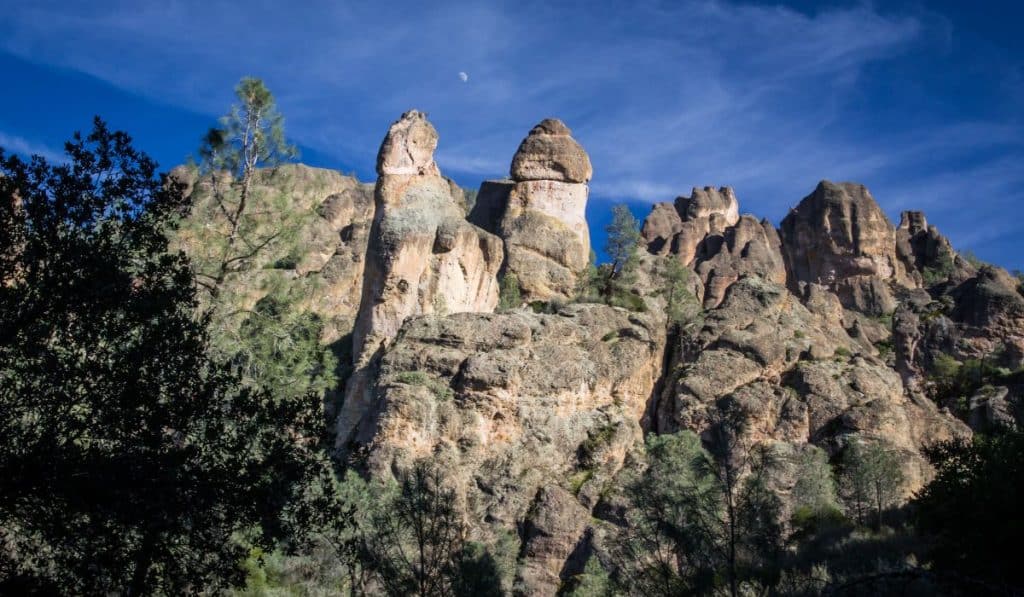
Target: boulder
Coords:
[[550, 153]]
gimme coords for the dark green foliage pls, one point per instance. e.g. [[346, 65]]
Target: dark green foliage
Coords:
[[940, 271], [416, 542], [250, 136], [871, 480], [509, 294], [594, 581], [696, 524], [681, 305], [815, 501], [615, 280], [278, 348], [972, 508], [130, 459], [954, 382], [597, 439]]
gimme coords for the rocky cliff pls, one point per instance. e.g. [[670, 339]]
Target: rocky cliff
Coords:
[[823, 331]]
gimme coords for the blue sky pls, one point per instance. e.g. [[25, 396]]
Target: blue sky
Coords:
[[921, 101]]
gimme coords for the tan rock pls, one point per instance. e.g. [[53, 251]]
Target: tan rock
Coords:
[[709, 201], [659, 228], [839, 237], [408, 148], [550, 153], [423, 256], [531, 415], [541, 213]]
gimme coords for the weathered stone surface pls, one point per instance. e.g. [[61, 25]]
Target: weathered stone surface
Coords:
[[550, 153], [709, 202], [706, 232], [748, 247], [541, 214], [660, 227], [839, 237], [521, 410], [423, 257], [408, 148], [555, 526], [325, 258], [796, 376]]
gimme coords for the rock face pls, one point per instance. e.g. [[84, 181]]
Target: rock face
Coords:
[[530, 415], [329, 231], [540, 213], [423, 256], [824, 332], [550, 153], [795, 377], [839, 237], [706, 232]]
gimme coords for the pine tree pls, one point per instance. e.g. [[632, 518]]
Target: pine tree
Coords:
[[622, 246]]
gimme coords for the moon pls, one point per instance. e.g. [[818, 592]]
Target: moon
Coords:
[[463, 76]]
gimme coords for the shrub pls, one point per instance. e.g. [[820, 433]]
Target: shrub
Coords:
[[939, 272], [509, 294], [439, 389]]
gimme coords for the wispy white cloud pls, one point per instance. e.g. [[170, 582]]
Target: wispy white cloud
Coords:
[[26, 148], [665, 96]]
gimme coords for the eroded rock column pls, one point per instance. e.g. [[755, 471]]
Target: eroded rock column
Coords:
[[540, 212], [423, 256]]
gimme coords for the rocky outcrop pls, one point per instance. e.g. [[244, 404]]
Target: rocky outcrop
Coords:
[[749, 247], [531, 416], [550, 153], [423, 256], [795, 377], [706, 232], [319, 240], [838, 237], [540, 213]]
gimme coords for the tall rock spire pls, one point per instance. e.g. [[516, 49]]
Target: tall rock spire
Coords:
[[423, 256], [540, 213]]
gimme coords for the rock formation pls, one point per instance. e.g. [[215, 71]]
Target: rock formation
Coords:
[[540, 213], [324, 246], [530, 415], [796, 377], [822, 332], [838, 237], [706, 232], [423, 256]]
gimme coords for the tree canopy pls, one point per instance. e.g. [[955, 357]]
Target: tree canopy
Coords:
[[131, 460]]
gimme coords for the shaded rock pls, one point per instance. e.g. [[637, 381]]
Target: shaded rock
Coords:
[[706, 232], [531, 416], [555, 526], [747, 248], [660, 227], [795, 376], [838, 237]]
